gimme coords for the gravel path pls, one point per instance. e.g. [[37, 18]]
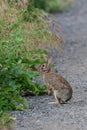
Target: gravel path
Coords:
[[72, 65]]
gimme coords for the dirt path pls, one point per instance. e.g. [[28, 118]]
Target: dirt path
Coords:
[[72, 64]]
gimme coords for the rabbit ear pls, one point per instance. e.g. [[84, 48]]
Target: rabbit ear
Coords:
[[49, 61]]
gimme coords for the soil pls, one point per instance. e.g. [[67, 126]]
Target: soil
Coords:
[[72, 65]]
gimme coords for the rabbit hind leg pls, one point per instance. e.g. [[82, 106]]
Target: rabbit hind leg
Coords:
[[58, 101]]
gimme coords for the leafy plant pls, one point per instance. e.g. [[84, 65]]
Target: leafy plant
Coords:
[[24, 39], [52, 5]]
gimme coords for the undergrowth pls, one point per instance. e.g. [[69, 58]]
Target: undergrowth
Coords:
[[53, 5], [24, 38]]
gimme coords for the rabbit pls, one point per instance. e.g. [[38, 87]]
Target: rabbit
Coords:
[[56, 83]]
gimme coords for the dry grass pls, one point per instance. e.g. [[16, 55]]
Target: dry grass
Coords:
[[35, 33]]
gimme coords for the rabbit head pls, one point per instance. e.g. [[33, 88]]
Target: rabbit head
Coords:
[[45, 68]]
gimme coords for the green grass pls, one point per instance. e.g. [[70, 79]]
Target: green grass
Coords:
[[24, 37], [53, 5]]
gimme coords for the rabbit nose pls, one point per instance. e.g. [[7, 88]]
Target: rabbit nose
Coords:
[[44, 70]]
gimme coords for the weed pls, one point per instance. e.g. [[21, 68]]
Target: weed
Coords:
[[24, 38]]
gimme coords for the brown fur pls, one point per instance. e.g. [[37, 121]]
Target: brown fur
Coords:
[[56, 83]]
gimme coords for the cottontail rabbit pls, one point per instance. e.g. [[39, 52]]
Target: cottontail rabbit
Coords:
[[60, 87]]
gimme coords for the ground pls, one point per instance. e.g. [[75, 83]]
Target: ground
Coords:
[[72, 64]]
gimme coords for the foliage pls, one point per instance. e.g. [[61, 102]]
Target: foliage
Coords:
[[24, 37], [22, 30], [52, 5]]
